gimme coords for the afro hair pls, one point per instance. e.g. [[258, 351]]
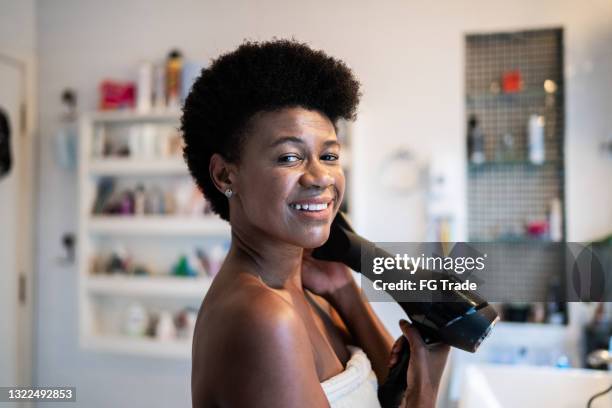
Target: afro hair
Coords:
[[258, 77]]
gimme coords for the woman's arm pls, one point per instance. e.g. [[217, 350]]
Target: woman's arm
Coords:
[[366, 328], [334, 281]]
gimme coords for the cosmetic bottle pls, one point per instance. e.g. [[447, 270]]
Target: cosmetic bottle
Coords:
[[126, 206], [135, 320], [148, 136], [165, 330], [182, 196], [159, 87], [139, 200], [535, 132], [174, 65], [144, 88], [554, 221], [554, 305], [185, 323], [476, 153], [154, 201], [169, 203]]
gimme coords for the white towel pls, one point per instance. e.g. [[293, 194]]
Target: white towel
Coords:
[[356, 386]]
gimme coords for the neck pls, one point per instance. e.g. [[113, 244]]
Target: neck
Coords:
[[277, 263]]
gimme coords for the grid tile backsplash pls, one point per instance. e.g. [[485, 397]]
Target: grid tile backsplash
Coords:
[[507, 191]]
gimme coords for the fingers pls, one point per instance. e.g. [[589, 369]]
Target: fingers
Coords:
[[411, 333], [416, 341], [395, 350]]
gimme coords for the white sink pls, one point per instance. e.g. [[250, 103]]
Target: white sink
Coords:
[[499, 386]]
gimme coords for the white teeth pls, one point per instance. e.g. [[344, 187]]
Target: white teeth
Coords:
[[310, 207]]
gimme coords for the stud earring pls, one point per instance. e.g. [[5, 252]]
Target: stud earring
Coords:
[[228, 193]]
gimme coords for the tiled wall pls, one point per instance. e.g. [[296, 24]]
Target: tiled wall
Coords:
[[507, 190]]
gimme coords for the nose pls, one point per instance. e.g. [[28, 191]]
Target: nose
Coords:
[[316, 175]]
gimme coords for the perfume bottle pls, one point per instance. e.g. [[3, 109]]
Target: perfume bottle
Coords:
[[475, 136]]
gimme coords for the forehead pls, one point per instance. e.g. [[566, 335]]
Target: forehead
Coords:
[[267, 126]]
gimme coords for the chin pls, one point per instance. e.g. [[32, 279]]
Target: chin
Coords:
[[313, 237]]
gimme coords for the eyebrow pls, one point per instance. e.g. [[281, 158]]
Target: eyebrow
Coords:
[[294, 139]]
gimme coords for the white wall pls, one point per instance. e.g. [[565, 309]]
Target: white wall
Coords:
[[17, 33], [409, 57]]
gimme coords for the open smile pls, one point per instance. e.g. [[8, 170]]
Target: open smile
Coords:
[[313, 208]]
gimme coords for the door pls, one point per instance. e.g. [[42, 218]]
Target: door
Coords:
[[15, 221]]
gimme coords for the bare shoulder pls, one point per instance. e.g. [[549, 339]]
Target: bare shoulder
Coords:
[[253, 340], [256, 313], [247, 316]]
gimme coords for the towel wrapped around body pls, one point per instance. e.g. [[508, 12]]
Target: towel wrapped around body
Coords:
[[356, 386]]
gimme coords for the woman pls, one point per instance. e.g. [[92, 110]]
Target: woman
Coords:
[[277, 328]]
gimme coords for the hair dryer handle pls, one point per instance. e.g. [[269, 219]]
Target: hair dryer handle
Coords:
[[391, 392]]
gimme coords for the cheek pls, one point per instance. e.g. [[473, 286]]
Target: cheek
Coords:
[[340, 184], [266, 191]]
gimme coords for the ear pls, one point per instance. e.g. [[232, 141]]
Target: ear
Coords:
[[222, 172]]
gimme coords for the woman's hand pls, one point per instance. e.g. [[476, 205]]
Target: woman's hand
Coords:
[[424, 370], [324, 278]]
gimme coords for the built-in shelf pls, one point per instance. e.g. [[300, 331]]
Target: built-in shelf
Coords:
[[506, 195], [512, 164], [134, 116], [157, 286], [140, 346], [158, 225], [128, 166], [494, 100], [103, 297]]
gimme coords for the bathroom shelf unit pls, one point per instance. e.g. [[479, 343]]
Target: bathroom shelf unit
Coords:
[[528, 97], [132, 116], [102, 297], [170, 287], [136, 346], [513, 190], [125, 167], [505, 193], [158, 225], [503, 165]]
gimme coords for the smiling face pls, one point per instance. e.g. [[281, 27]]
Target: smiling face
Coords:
[[289, 182]]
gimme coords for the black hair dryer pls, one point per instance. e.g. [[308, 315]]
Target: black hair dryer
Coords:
[[460, 319]]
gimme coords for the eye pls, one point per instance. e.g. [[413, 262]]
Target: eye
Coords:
[[330, 157], [289, 158]]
